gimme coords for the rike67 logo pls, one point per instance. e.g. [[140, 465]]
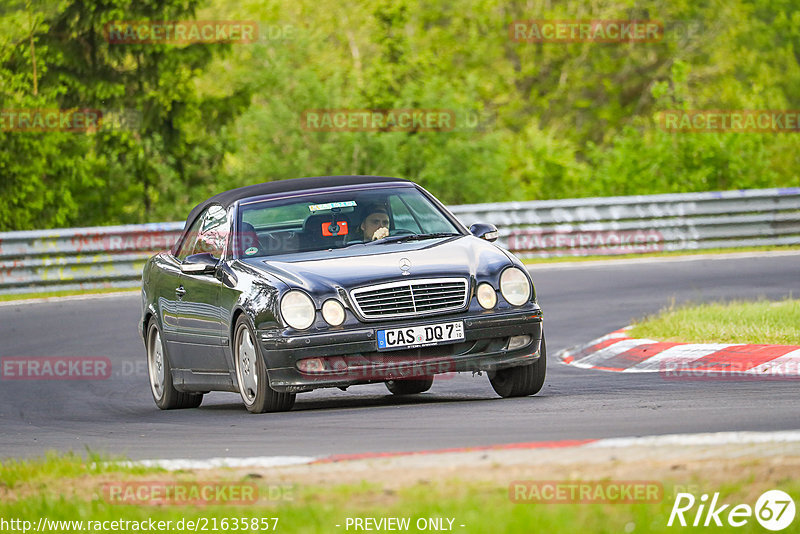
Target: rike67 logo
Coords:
[[774, 510]]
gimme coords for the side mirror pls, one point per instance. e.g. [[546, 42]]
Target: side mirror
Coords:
[[484, 231], [203, 263]]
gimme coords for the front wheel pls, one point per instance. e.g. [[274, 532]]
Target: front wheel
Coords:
[[159, 370], [251, 374], [521, 381]]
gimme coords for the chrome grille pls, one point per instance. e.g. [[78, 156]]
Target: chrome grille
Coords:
[[411, 298]]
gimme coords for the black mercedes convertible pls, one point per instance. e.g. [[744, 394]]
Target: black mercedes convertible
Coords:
[[285, 287]]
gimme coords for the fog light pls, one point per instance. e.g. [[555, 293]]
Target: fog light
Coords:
[[487, 296], [517, 342], [333, 312], [311, 365]]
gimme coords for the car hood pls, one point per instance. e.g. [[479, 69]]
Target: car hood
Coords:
[[464, 256]]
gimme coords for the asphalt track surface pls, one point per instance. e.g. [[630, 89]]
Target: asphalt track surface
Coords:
[[581, 302]]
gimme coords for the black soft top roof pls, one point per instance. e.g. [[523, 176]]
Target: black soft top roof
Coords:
[[226, 198]]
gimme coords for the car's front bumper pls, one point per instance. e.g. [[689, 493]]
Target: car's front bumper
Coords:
[[356, 359]]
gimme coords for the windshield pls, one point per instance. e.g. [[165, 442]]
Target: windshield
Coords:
[[332, 220]]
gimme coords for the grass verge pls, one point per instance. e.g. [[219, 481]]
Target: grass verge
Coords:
[[53, 468], [69, 293], [731, 322], [66, 490], [666, 254]]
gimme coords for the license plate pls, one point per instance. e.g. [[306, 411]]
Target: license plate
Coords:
[[420, 336]]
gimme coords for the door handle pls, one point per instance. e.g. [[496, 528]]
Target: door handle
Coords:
[[180, 292]]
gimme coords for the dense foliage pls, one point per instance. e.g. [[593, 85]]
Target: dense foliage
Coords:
[[533, 120]]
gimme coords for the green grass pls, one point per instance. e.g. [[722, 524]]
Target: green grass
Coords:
[[53, 467], [70, 293], [733, 322], [481, 507], [666, 254]]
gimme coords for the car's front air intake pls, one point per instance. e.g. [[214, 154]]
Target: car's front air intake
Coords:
[[411, 298]]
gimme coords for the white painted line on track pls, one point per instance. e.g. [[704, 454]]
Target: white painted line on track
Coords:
[[688, 440], [715, 438], [213, 463]]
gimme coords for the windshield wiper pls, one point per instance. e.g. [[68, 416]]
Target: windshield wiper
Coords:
[[413, 237]]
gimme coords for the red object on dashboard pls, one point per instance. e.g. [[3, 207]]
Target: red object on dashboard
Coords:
[[337, 228]]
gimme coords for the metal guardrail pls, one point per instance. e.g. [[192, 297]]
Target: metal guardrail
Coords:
[[80, 258], [643, 224], [113, 256]]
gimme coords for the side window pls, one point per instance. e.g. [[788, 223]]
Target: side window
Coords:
[[190, 240], [402, 217], [213, 232], [431, 220], [208, 233]]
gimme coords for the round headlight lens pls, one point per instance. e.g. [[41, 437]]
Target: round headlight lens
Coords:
[[333, 312], [297, 309], [487, 296], [515, 287]]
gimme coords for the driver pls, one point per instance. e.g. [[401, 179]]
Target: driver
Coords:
[[376, 223]]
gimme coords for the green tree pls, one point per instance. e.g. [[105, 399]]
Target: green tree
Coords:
[[126, 174]]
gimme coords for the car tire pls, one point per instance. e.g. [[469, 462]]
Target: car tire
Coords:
[[410, 386], [521, 381], [251, 374], [159, 371]]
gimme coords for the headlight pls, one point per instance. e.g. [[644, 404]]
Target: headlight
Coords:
[[487, 296], [515, 287], [333, 312], [297, 309]]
